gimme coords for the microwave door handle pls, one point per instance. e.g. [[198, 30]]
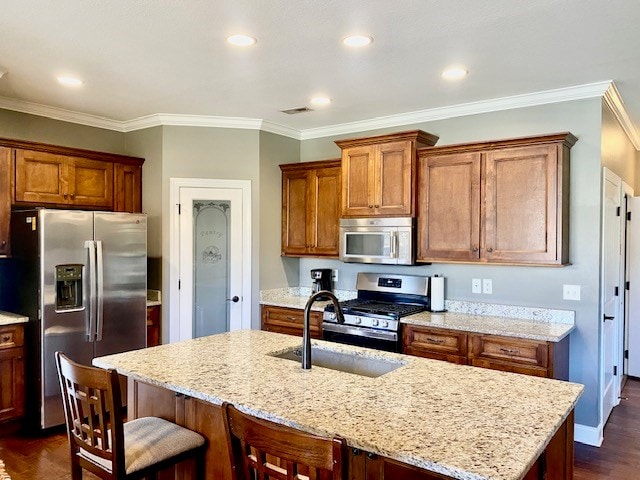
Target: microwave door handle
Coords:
[[394, 245]]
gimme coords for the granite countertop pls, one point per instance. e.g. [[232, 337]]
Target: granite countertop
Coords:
[[507, 320], [7, 318], [492, 325], [465, 422]]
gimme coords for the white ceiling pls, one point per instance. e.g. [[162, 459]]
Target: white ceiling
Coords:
[[144, 57]]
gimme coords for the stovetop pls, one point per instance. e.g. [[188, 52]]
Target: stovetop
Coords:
[[365, 307]]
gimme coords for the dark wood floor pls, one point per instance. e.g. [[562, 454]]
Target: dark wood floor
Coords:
[[40, 458]]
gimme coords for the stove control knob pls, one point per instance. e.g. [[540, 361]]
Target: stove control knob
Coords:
[[332, 316], [375, 322], [385, 323], [358, 321]]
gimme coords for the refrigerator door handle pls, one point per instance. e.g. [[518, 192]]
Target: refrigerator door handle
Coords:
[[100, 285], [91, 317]]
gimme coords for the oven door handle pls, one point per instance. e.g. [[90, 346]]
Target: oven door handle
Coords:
[[360, 332]]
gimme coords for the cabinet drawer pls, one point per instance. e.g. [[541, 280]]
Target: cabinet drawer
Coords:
[[509, 350], [425, 342], [290, 321], [11, 336]]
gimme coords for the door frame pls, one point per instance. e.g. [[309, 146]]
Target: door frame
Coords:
[[175, 184]]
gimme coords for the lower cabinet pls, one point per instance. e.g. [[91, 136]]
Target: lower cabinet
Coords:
[[290, 321], [153, 326], [529, 357], [11, 372], [555, 463]]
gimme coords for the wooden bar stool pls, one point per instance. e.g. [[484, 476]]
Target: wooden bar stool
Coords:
[[263, 450], [103, 444]]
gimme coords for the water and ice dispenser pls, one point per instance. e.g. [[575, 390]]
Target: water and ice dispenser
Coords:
[[69, 287]]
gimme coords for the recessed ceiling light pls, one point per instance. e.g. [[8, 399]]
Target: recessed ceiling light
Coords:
[[241, 40], [357, 40], [320, 101], [69, 81], [454, 73]]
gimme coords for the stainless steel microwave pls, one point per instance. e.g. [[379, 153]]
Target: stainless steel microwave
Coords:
[[378, 240]]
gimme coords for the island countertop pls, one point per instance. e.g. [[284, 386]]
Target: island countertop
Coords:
[[465, 422]]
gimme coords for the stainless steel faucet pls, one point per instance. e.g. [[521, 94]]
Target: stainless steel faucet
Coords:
[[306, 334]]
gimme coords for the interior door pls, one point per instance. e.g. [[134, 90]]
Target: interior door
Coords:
[[610, 291], [211, 261]]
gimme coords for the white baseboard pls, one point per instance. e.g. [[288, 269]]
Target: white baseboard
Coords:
[[588, 435]]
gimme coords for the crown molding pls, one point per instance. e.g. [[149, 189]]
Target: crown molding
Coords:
[[473, 108], [613, 99], [606, 90], [62, 114]]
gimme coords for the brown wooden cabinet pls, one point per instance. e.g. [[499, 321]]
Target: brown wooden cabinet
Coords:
[[5, 200], [11, 372], [310, 208], [438, 344], [42, 177], [153, 326], [497, 202], [509, 354], [379, 174], [290, 321], [127, 188]]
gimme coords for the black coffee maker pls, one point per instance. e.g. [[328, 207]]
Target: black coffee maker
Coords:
[[322, 280]]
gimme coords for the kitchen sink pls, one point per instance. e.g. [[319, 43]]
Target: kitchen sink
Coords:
[[363, 365]]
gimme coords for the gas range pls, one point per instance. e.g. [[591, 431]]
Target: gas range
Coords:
[[373, 318]]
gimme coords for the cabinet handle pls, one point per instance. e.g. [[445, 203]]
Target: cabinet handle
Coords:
[[489, 249], [608, 317], [510, 351], [433, 340], [292, 318]]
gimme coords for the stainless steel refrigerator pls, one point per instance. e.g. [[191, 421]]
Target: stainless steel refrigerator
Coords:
[[82, 280]]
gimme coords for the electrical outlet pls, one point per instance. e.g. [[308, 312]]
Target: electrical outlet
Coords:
[[476, 285], [571, 292], [334, 275], [487, 285]]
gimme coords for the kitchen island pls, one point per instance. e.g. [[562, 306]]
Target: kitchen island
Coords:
[[425, 420]]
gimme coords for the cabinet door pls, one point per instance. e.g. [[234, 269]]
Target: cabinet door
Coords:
[[358, 174], [449, 207], [90, 182], [127, 190], [521, 205], [324, 211], [41, 177], [393, 179], [5, 200], [294, 212], [11, 383]]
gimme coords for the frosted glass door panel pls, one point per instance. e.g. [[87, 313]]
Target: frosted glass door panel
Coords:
[[211, 267]]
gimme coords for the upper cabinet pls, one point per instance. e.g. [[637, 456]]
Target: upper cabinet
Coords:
[[379, 174], [497, 202], [43, 177], [5, 199], [38, 174], [310, 208]]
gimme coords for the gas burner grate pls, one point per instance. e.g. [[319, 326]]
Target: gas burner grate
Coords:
[[374, 307]]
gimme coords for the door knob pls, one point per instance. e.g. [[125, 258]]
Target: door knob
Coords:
[[234, 299]]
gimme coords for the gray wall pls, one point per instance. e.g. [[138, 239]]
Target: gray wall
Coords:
[[618, 153], [275, 271], [531, 286]]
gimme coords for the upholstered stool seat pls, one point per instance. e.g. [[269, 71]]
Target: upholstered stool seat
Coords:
[[148, 441]]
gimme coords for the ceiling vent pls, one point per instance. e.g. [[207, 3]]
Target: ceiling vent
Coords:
[[293, 111]]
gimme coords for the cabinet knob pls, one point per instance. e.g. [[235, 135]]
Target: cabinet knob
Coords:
[[474, 249], [377, 206], [356, 451], [65, 195], [370, 206], [4, 243], [371, 456], [489, 249], [72, 196]]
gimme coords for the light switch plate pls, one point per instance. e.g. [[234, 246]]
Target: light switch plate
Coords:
[[487, 285], [571, 292], [476, 285], [334, 275]]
